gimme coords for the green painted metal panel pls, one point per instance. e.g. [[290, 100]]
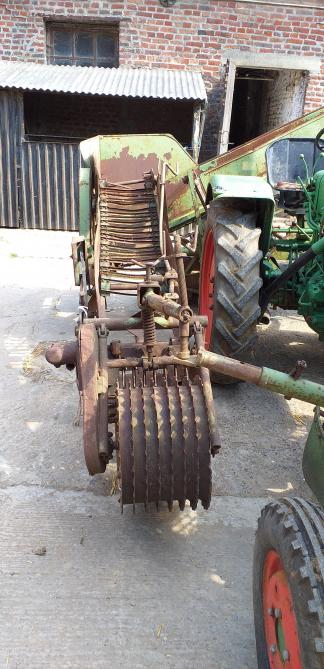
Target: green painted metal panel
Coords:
[[302, 389], [84, 200], [249, 158], [231, 187], [224, 186], [318, 247], [147, 149], [319, 195], [137, 145], [313, 458], [245, 160], [126, 157]]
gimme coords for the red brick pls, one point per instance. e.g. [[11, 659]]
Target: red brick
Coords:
[[161, 37]]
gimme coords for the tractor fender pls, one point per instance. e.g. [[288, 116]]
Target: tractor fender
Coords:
[[254, 190], [313, 457]]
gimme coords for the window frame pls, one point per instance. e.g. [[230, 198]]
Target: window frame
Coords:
[[74, 28]]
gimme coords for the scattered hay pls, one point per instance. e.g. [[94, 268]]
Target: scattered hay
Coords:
[[114, 490], [298, 418], [40, 550], [159, 630], [40, 348], [77, 417]]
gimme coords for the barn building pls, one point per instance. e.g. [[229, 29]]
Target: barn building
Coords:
[[214, 73]]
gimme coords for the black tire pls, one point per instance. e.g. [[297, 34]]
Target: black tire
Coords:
[[294, 528], [237, 280]]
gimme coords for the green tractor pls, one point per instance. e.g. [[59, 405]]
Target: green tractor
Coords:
[[288, 578], [248, 263]]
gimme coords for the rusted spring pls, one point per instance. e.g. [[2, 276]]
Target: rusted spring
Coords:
[[183, 293], [148, 326]]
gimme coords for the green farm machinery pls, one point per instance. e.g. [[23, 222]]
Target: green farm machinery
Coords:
[[156, 226]]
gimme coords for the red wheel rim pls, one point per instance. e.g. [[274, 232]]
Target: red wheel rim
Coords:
[[207, 277], [280, 623]]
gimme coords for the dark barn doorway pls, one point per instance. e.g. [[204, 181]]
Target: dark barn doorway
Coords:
[[258, 100]]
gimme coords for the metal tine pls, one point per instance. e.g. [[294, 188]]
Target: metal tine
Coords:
[[158, 392], [171, 478], [121, 492], [206, 502], [132, 441], [150, 428], [157, 444], [130, 232], [182, 502], [199, 437], [122, 184], [177, 447], [145, 449], [126, 452], [133, 214]]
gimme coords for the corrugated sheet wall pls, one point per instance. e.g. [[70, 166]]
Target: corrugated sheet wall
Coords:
[[10, 133], [50, 193]]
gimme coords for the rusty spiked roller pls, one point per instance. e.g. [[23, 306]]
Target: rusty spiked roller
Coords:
[[141, 399], [151, 401]]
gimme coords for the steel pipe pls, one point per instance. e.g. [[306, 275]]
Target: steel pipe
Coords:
[[168, 307], [135, 322], [270, 379], [62, 354]]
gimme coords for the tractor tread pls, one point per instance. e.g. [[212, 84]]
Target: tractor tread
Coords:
[[237, 281], [295, 528]]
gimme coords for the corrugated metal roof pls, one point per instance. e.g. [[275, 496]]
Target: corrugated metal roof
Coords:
[[121, 82]]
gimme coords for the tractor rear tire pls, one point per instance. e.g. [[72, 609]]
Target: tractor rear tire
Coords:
[[288, 585], [230, 281]]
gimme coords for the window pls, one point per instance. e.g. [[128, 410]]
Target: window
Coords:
[[82, 45]]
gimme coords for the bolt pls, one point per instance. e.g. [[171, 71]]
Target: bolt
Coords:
[[277, 613], [273, 649], [186, 315], [285, 656], [270, 612]]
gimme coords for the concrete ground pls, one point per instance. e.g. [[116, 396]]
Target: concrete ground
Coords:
[[83, 587]]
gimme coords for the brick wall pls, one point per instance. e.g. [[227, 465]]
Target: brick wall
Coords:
[[192, 34], [284, 98], [82, 116]]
